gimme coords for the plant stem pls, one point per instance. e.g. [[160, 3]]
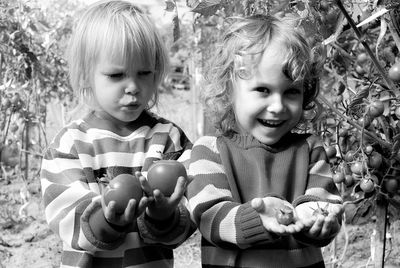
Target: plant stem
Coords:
[[360, 37]]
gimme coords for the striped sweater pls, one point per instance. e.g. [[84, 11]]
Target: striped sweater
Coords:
[[79, 155], [230, 172]]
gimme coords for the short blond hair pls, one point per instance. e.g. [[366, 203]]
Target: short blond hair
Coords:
[[123, 31]]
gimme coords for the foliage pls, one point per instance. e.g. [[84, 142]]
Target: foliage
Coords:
[[32, 74]]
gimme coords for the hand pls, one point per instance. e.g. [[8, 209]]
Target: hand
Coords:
[[322, 219], [162, 207], [269, 208], [131, 212]]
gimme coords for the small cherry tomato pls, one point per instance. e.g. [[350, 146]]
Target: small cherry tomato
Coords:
[[367, 185], [394, 72], [331, 151], [358, 168], [375, 160], [376, 108], [284, 215], [164, 174], [362, 58], [121, 189], [392, 186], [338, 177]]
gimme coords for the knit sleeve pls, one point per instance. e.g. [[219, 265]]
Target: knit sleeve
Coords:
[[176, 230], [71, 195], [220, 219], [320, 185]]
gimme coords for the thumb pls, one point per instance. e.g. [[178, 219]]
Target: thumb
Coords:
[[258, 204]]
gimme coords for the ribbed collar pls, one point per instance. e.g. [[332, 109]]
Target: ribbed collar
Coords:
[[248, 141]]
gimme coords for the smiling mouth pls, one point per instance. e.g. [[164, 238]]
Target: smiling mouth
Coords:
[[271, 123]]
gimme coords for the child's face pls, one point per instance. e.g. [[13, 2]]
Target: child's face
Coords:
[[120, 95], [269, 104]]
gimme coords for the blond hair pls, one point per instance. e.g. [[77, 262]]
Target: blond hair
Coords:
[[122, 31], [240, 51]]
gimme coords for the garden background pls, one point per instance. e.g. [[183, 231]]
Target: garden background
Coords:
[[357, 114]]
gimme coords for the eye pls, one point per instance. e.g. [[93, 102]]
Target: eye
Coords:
[[144, 73], [264, 90], [294, 91], [116, 76]]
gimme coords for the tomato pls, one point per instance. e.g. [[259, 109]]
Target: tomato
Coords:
[[391, 185], [362, 58], [360, 70], [375, 160], [284, 215], [397, 112], [358, 168], [376, 108], [338, 177], [164, 174], [364, 121], [121, 189], [348, 180], [368, 149], [331, 151], [350, 156], [394, 72], [367, 185], [343, 132]]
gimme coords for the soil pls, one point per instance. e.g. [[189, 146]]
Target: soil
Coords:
[[26, 241]]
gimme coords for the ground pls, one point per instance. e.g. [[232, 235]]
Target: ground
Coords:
[[26, 241]]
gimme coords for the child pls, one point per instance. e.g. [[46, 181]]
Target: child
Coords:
[[257, 88], [117, 61]]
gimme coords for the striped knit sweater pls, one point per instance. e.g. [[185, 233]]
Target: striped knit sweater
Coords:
[[230, 172], [82, 153]]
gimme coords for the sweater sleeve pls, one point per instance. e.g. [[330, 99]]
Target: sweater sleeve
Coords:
[[220, 219], [71, 196], [179, 227], [320, 187], [320, 184]]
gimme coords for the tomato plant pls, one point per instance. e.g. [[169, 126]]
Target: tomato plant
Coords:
[[121, 189], [164, 174]]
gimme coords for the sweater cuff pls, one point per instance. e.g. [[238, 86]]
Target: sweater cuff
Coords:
[[97, 230], [313, 198], [251, 227], [165, 232]]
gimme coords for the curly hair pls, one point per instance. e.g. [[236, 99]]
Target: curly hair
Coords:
[[240, 51]]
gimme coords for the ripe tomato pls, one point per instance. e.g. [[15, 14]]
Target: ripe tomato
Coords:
[[394, 72], [164, 174], [358, 168], [367, 185], [362, 58], [331, 151], [392, 186], [348, 180], [121, 189], [338, 177], [350, 156], [375, 160], [284, 215], [376, 108], [397, 112]]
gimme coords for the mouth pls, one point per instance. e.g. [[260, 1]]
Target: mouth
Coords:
[[131, 106], [271, 123]]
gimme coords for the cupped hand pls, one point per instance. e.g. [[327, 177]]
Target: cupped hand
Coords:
[[270, 210]]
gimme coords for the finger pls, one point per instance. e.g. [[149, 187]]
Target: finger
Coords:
[[145, 185], [109, 212], [158, 196], [143, 203], [190, 178], [258, 204], [315, 230], [130, 211], [180, 188]]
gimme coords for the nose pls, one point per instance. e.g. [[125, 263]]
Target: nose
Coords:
[[131, 87], [276, 104]]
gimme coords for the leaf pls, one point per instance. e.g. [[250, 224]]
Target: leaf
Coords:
[[360, 212], [207, 7], [192, 3], [382, 33], [176, 30], [358, 99]]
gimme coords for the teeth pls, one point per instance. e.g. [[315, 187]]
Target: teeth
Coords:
[[272, 122]]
